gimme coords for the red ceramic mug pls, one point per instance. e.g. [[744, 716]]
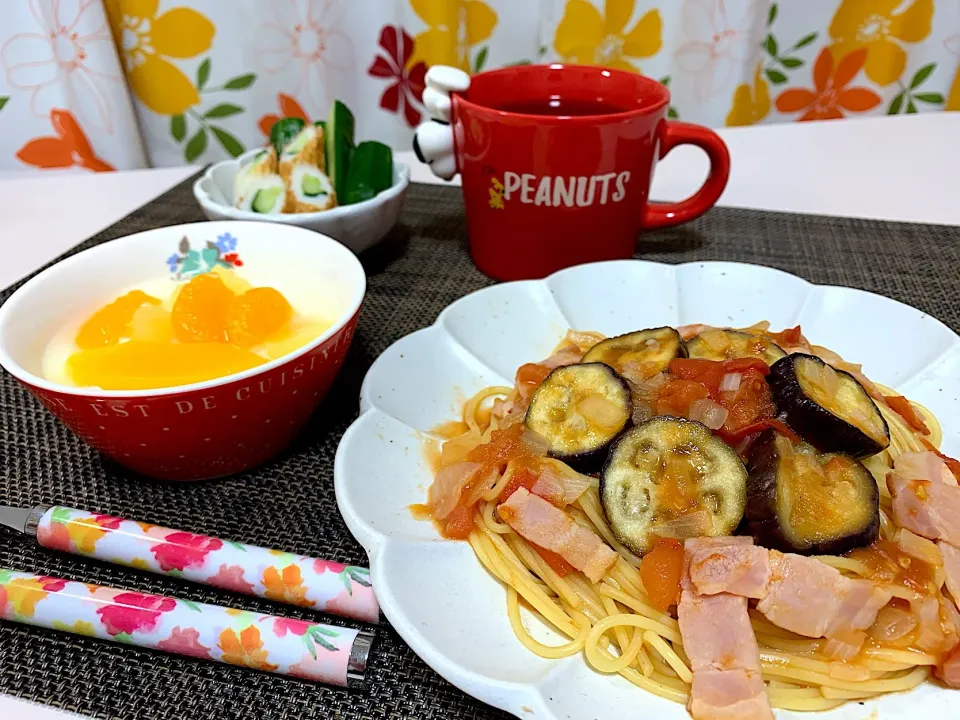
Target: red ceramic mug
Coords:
[[556, 162]]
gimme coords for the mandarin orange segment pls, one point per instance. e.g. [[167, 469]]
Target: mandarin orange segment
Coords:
[[111, 323], [144, 365], [256, 315], [200, 310]]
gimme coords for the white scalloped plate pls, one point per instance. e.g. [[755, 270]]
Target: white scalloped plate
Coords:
[[435, 592]]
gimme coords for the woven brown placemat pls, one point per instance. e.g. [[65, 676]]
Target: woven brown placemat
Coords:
[[290, 504]]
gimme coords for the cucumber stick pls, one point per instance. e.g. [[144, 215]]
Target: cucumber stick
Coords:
[[370, 172], [338, 136]]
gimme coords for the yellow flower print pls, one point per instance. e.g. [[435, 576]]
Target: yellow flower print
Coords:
[[872, 24], [140, 564], [24, 593], [589, 38], [453, 26], [286, 586], [80, 627], [245, 649], [144, 41], [750, 104]]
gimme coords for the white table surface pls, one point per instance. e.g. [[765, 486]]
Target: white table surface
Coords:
[[890, 168]]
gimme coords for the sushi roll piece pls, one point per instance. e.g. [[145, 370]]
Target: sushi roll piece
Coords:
[[305, 149], [309, 190], [265, 195], [263, 164]]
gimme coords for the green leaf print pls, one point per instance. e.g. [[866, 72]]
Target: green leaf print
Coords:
[[5, 576], [665, 81], [203, 74], [775, 76], [197, 145], [241, 82], [324, 644], [481, 59], [178, 127], [191, 263], [4, 99], [543, 50], [791, 62], [911, 108], [772, 15], [61, 515], [228, 141], [361, 576], [805, 40], [921, 75], [123, 638], [236, 546], [308, 642], [770, 45], [223, 110], [209, 256], [933, 98], [673, 114], [192, 605], [345, 579], [895, 105], [324, 631]]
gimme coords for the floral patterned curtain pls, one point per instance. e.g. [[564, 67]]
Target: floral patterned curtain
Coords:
[[110, 84]]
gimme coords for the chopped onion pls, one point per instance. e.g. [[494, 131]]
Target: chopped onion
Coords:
[[931, 638], [583, 339], [715, 339], [709, 413], [829, 380], [690, 525], [600, 411], [444, 493], [919, 548], [456, 449], [560, 489], [848, 671], [730, 382], [892, 624], [642, 411], [846, 647], [757, 328], [535, 442], [652, 343], [690, 331]]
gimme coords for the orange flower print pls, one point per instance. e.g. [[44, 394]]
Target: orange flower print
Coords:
[[23, 594], [289, 108], [246, 650], [286, 586], [70, 147], [830, 96]]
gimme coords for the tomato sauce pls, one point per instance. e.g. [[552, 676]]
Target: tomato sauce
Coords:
[[889, 565], [661, 570]]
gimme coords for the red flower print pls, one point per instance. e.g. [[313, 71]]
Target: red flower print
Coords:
[[108, 522], [322, 566], [289, 108], [3, 601], [184, 642], [234, 259], [405, 92], [180, 550], [132, 611], [54, 536], [296, 627], [49, 584], [70, 148], [231, 578]]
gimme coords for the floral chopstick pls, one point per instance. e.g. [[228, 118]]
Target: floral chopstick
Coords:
[[308, 650]]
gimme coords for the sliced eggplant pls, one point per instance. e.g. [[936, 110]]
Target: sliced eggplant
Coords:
[[671, 477], [579, 410], [827, 407], [717, 344], [639, 355], [803, 501]]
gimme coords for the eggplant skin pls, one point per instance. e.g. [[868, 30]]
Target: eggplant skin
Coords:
[[817, 425], [761, 519]]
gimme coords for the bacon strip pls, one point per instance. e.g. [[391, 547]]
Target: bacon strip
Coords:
[[719, 640], [928, 508], [550, 527]]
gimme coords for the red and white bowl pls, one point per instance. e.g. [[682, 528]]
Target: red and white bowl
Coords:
[[207, 429]]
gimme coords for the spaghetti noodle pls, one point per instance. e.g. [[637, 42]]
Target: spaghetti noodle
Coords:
[[616, 625]]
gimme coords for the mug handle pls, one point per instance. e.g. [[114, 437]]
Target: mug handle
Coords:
[[662, 215]]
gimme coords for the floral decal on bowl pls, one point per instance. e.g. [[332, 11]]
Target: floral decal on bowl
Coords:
[[187, 263]]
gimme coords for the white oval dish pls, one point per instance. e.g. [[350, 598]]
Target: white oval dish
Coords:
[[435, 592], [358, 226]]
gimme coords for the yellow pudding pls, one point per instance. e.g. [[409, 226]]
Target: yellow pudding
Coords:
[[214, 325]]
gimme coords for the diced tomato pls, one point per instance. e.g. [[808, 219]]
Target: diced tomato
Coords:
[[675, 397], [504, 446], [954, 465], [661, 570], [529, 377], [904, 409], [732, 438], [459, 523], [739, 365], [520, 479], [706, 372], [789, 337], [560, 566]]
